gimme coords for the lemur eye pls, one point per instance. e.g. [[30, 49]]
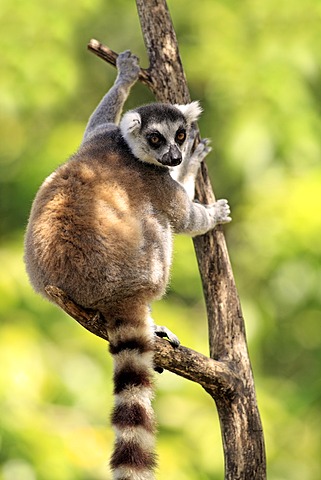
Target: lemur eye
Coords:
[[180, 136], [155, 139]]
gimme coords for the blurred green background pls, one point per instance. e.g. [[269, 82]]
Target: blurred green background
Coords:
[[256, 68]]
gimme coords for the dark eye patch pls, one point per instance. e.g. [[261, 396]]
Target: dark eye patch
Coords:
[[155, 139], [180, 136]]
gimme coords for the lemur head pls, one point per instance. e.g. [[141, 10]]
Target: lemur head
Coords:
[[156, 133]]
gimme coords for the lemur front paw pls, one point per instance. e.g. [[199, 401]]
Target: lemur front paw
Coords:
[[202, 150], [128, 67], [220, 212], [196, 157]]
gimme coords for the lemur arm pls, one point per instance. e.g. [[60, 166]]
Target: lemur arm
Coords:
[[193, 218], [203, 218], [186, 172], [110, 108]]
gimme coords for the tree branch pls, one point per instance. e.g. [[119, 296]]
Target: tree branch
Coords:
[[105, 53], [213, 376]]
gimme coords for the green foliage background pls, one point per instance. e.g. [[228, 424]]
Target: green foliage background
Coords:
[[255, 66]]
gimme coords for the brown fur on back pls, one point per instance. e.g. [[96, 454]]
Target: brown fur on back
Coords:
[[99, 227]]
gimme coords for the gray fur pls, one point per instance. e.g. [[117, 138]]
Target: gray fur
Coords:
[[110, 108]]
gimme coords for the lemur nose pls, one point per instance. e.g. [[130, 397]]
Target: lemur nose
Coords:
[[175, 153], [173, 157]]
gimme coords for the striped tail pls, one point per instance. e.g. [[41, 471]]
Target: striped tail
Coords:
[[132, 346]]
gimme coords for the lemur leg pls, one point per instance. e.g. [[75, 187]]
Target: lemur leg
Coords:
[[186, 172], [110, 108], [164, 332]]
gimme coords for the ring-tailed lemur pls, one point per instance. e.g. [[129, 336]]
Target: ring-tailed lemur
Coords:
[[101, 229]]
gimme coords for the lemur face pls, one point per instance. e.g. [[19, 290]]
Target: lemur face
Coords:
[[156, 133], [163, 141]]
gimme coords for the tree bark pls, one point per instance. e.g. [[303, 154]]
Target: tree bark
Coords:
[[227, 375]]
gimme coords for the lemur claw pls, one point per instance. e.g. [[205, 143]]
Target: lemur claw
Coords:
[[128, 66], [221, 211], [203, 149], [164, 332]]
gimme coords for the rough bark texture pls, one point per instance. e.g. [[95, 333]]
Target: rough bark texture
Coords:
[[227, 376]]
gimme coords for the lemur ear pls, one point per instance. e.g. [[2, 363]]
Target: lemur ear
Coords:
[[130, 122], [191, 111]]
